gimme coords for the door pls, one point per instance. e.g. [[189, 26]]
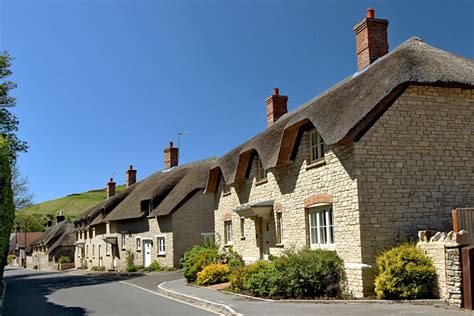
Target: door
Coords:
[[100, 255], [146, 253]]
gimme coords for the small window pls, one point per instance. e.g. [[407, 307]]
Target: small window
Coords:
[[87, 251], [226, 189], [123, 241], [242, 228], [107, 249], [279, 222], [93, 250], [228, 232], [85, 234], [261, 172], [161, 245], [321, 226], [138, 243], [316, 145], [150, 207]]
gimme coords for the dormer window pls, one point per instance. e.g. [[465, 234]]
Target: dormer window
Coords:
[[316, 146], [225, 189], [261, 173], [150, 207]]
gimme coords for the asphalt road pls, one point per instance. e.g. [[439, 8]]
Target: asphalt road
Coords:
[[51, 293]]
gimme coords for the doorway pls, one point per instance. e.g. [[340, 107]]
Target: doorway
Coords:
[[146, 252]]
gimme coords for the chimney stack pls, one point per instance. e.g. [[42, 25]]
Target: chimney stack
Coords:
[[171, 156], [60, 217], [49, 223], [110, 188], [130, 176], [277, 106], [371, 39]]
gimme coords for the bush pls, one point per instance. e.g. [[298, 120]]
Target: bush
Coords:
[[10, 259], [131, 269], [64, 259], [213, 274], [153, 267], [97, 268], [130, 257], [404, 272], [311, 273], [262, 279], [196, 259], [231, 258]]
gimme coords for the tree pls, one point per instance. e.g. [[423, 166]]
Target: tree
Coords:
[[8, 121], [23, 198], [7, 208], [30, 223]]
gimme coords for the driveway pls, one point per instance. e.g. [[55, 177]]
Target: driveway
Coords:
[[32, 292]]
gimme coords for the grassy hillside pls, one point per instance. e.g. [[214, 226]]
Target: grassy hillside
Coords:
[[72, 205]]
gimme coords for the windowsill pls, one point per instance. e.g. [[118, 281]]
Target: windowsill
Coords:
[[316, 163], [324, 246], [162, 254], [107, 255], [260, 182], [226, 193], [242, 238], [228, 245], [138, 250], [280, 245], [123, 248]]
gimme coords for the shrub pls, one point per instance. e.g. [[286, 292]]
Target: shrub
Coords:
[[64, 259], [213, 274], [131, 269], [404, 272], [154, 266], [10, 259], [196, 259], [311, 273], [140, 267], [262, 279], [97, 268], [130, 257], [231, 258]]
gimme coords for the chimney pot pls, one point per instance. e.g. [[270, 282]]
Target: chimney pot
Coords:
[[171, 144], [370, 13], [277, 106], [110, 188], [130, 176], [371, 39], [171, 156], [60, 217]]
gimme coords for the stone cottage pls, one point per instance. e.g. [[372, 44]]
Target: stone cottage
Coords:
[[386, 152], [156, 219], [57, 241]]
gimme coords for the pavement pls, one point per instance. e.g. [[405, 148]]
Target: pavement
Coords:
[[31, 292], [231, 304]]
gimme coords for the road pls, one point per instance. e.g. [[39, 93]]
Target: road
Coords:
[[32, 292]]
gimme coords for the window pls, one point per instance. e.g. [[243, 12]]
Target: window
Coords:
[[93, 250], [150, 207], [279, 222], [261, 172], [123, 241], [107, 249], [316, 145], [87, 251], [138, 243], [321, 226], [228, 232], [226, 189], [242, 228], [161, 245], [85, 234]]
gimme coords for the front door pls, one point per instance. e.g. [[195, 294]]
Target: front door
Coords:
[[146, 252], [100, 255]]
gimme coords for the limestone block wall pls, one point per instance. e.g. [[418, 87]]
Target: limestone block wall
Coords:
[[416, 164]]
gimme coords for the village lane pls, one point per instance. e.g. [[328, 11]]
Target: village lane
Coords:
[[31, 292]]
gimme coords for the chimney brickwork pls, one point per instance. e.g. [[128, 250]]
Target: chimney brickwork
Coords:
[[130, 176], [277, 106], [60, 217], [371, 39], [110, 188], [171, 156]]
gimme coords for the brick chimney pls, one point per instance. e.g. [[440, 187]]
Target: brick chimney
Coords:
[[371, 39], [60, 217], [110, 188], [277, 106], [171, 156], [130, 176]]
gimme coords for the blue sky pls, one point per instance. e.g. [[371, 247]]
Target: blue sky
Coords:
[[104, 84]]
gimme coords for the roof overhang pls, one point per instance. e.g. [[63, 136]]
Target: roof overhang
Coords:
[[110, 240], [80, 244], [254, 210]]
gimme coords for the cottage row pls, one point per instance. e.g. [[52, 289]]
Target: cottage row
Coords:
[[386, 152]]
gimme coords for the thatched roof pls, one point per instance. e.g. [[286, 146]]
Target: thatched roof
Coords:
[[194, 181], [68, 238], [348, 109], [53, 233], [157, 187]]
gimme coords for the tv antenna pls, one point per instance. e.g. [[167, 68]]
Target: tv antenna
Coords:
[[179, 136]]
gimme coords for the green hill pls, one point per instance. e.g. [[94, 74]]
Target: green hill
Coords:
[[71, 206]]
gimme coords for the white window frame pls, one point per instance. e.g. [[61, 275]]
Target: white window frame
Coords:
[[107, 249], [261, 172], [228, 235], [150, 207], [279, 222], [317, 147], [123, 241], [93, 250], [138, 243], [161, 245], [321, 226]]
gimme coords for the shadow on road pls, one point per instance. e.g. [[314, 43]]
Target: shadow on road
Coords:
[[27, 291]]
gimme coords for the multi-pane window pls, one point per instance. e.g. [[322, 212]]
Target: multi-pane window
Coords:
[[321, 226], [316, 145], [107, 249], [123, 241], [228, 232], [242, 228], [161, 245], [279, 222], [138, 243], [261, 172]]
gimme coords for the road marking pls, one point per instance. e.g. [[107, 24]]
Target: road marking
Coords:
[[170, 298]]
